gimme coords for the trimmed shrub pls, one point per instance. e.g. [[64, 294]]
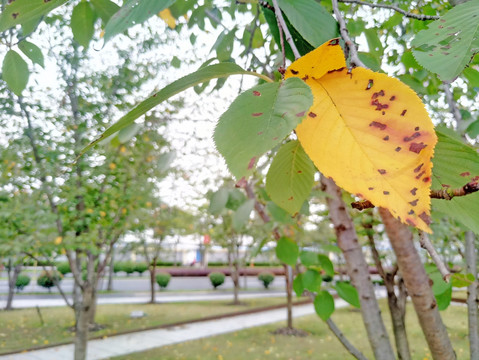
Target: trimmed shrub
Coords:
[[22, 281], [140, 268], [216, 279], [117, 267], [128, 267], [64, 268], [46, 279], [266, 278], [163, 279]]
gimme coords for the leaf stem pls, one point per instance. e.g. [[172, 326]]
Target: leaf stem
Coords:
[[427, 244], [282, 23]]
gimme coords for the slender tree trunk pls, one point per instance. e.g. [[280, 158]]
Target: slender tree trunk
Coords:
[[471, 261], [289, 295], [418, 287], [82, 322], [358, 271], [235, 279], [13, 272], [109, 286], [152, 271]]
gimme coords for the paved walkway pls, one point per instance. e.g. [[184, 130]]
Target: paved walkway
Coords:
[[150, 339]]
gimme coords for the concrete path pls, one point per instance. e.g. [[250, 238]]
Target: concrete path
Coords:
[[138, 298], [146, 340]]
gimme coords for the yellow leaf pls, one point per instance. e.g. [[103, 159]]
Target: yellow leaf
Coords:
[[90, 211], [122, 149], [370, 133], [112, 166], [102, 213], [168, 18], [58, 240], [148, 204], [124, 211]]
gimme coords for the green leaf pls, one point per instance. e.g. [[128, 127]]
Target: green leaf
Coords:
[[462, 280], [449, 43], [28, 27], [241, 216], [258, 120], [32, 51], [165, 160], [444, 299], [287, 251], [374, 43], [202, 75], [126, 134], [472, 76], [22, 11], [105, 9], [82, 23], [308, 258], [473, 129], [456, 164], [218, 201], [279, 215], [133, 12], [15, 72], [312, 20], [324, 305], [439, 286], [348, 293], [298, 285], [312, 280], [370, 61], [290, 177], [256, 42], [235, 199], [326, 264]]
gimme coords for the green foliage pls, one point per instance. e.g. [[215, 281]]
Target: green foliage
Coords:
[[456, 164], [242, 214], [266, 278], [32, 51], [202, 75], [162, 279], [15, 72], [22, 11], [312, 280], [348, 293], [22, 281], [287, 251], [324, 305], [258, 120], [105, 9], [218, 201], [140, 268], [311, 20], [63, 268], [459, 280], [47, 279], [449, 43], [290, 177], [128, 267], [133, 12], [442, 290], [298, 286], [216, 279], [83, 23], [326, 264]]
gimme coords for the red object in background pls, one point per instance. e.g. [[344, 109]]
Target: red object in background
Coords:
[[207, 239]]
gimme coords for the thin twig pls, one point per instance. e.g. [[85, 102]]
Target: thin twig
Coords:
[[393, 7], [281, 21], [353, 51], [452, 104], [426, 244], [350, 347]]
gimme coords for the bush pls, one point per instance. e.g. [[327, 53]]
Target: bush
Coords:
[[162, 279], [266, 277], [117, 267], [22, 281], [64, 268], [140, 268], [216, 279], [129, 268], [46, 279]]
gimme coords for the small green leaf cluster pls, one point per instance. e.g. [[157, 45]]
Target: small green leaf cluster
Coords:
[[47, 279], [22, 281], [163, 279], [63, 268], [266, 278], [217, 279]]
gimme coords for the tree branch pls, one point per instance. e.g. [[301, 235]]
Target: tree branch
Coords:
[[426, 244], [282, 23], [353, 51], [392, 7], [340, 336]]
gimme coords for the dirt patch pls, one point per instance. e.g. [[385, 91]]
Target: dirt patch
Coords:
[[290, 332]]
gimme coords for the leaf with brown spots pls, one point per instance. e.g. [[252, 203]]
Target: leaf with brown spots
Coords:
[[255, 124], [364, 134]]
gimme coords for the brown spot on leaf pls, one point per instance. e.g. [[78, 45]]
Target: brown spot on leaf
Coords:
[[386, 138], [386, 192], [416, 128], [256, 93], [464, 174], [410, 222], [333, 42], [412, 137], [290, 198], [15, 15], [420, 175], [398, 149], [425, 217], [382, 171], [251, 162], [411, 212], [312, 114], [404, 112], [416, 170], [417, 147], [441, 27], [336, 70], [370, 84], [414, 202], [294, 72], [257, 114], [379, 125], [426, 179], [304, 78], [383, 112], [378, 105], [413, 191], [301, 114], [392, 98], [260, 133], [445, 186], [377, 94], [371, 188], [300, 172]]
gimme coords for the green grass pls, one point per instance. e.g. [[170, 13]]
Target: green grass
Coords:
[[21, 329], [258, 343]]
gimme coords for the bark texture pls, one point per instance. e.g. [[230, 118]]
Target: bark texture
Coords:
[[471, 261], [13, 272], [358, 271], [418, 287], [288, 274]]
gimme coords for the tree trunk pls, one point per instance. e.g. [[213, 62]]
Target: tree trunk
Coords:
[[235, 278], [358, 271], [13, 272], [152, 271], [471, 261], [82, 322], [418, 287], [399, 328], [109, 286], [289, 295]]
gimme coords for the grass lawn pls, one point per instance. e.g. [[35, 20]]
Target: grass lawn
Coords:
[[259, 344], [21, 329]]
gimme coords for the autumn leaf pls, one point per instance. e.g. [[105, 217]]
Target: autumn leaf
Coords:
[[168, 18], [369, 132]]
